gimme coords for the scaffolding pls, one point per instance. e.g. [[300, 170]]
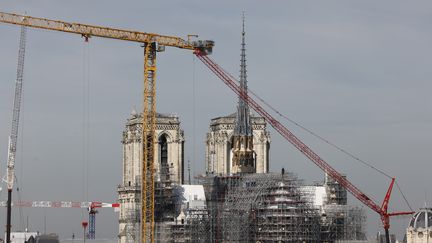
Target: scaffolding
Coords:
[[130, 216], [342, 223], [194, 227], [259, 208], [276, 207], [284, 215], [131, 230], [165, 212], [272, 207], [336, 193], [268, 208]]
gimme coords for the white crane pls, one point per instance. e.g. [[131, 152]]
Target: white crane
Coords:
[[10, 171], [91, 206]]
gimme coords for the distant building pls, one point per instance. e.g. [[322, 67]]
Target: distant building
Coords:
[[420, 227], [46, 238], [21, 237]]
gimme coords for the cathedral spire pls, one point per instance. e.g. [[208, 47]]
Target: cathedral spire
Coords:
[[243, 160], [243, 126]]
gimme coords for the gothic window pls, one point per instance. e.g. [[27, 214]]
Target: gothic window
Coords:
[[163, 148]]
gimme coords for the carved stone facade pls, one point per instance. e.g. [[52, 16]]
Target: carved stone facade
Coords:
[[169, 165], [219, 145], [420, 228]]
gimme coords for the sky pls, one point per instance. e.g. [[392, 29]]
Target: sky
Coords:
[[354, 72]]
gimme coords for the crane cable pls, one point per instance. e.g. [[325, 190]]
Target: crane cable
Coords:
[[325, 140], [85, 121], [193, 120]]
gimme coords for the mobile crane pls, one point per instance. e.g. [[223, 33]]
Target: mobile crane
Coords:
[[231, 82], [10, 171], [152, 43]]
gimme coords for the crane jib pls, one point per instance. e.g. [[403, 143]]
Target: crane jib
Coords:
[[106, 32]]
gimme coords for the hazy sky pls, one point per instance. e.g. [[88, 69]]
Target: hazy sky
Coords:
[[355, 72]]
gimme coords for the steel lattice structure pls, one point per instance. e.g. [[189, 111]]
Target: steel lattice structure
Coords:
[[152, 43]]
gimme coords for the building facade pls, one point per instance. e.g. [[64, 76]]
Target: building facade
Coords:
[[169, 166], [420, 228], [219, 145]]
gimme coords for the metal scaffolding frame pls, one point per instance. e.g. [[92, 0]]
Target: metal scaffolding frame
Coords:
[[276, 207], [257, 208], [342, 223]]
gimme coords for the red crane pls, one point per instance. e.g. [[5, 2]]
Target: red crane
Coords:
[[230, 81]]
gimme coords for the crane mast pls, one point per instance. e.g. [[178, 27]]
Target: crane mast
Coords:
[[230, 81], [13, 137], [152, 43]]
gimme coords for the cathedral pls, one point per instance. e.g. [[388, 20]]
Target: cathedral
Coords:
[[236, 144]]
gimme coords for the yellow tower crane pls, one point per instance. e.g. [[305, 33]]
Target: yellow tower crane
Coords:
[[152, 43]]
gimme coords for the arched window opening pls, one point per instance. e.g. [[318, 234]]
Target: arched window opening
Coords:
[[164, 165]]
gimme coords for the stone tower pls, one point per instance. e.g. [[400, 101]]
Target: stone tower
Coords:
[[238, 143], [219, 147], [169, 166]]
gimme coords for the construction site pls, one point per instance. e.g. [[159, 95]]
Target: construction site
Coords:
[[240, 196], [251, 208]]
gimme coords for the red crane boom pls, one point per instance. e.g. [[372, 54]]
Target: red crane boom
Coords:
[[288, 135]]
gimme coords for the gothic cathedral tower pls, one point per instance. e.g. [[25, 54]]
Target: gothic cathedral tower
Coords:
[[238, 143], [243, 153]]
